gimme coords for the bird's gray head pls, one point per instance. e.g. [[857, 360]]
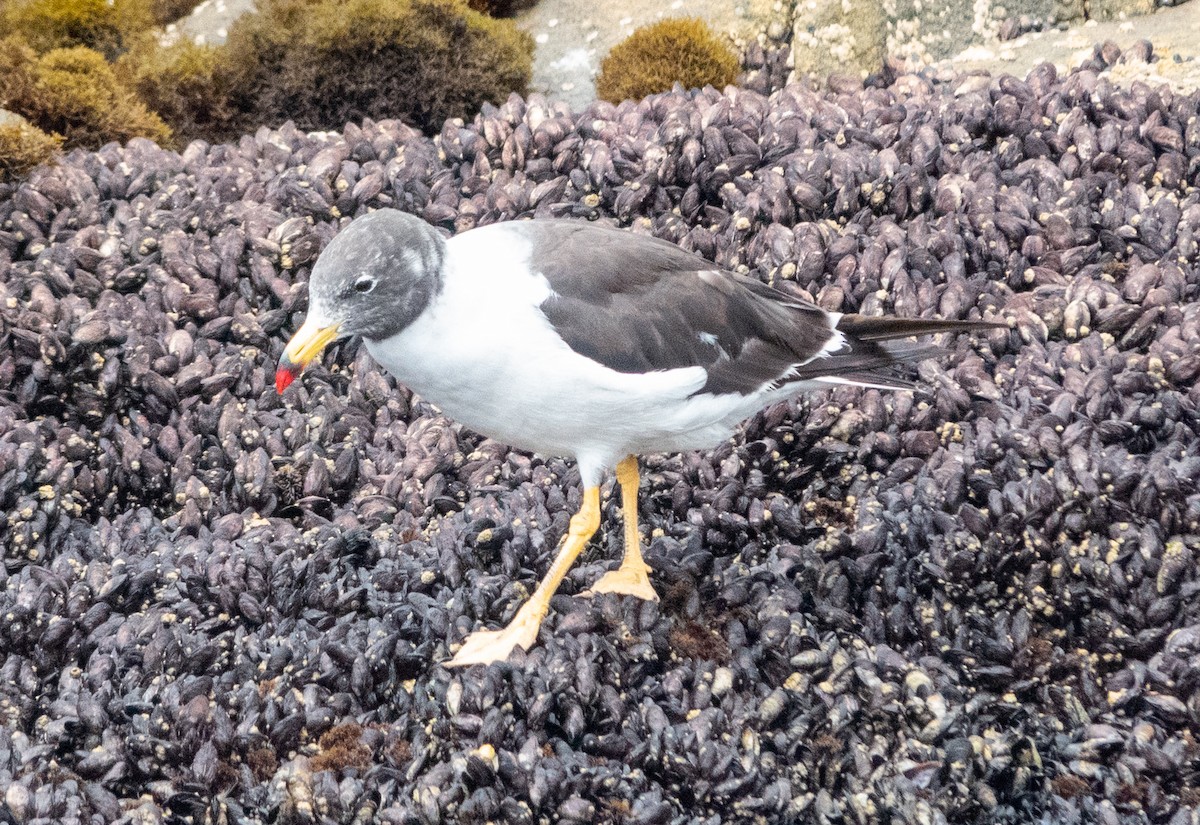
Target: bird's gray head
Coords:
[[375, 277]]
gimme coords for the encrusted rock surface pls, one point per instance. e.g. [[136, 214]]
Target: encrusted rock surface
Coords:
[[1173, 60], [976, 604], [853, 36]]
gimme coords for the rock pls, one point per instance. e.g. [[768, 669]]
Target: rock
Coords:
[[835, 36]]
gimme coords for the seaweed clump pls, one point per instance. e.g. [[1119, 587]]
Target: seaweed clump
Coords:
[[321, 63], [181, 83], [22, 147], [655, 57], [73, 93], [98, 24]]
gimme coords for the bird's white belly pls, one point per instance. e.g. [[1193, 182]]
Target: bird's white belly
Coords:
[[544, 397]]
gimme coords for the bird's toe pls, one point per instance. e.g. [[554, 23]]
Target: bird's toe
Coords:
[[486, 646], [626, 581]]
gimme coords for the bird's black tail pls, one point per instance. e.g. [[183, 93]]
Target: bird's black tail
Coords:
[[872, 328], [871, 347]]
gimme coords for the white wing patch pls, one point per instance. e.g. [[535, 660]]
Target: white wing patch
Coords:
[[850, 382], [837, 338], [711, 340]]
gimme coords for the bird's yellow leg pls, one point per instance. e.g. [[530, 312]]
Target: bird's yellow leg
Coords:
[[632, 577], [486, 646]]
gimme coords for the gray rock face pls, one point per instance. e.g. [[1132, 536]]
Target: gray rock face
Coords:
[[847, 35], [8, 118], [1118, 9], [210, 20], [855, 36]]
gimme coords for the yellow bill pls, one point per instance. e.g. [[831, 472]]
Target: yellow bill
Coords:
[[305, 346]]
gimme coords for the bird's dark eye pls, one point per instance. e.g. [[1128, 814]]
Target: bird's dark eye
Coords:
[[364, 284]]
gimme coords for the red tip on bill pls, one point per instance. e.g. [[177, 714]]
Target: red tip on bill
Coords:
[[283, 379]]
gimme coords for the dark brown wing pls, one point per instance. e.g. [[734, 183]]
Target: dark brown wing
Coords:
[[639, 304]]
